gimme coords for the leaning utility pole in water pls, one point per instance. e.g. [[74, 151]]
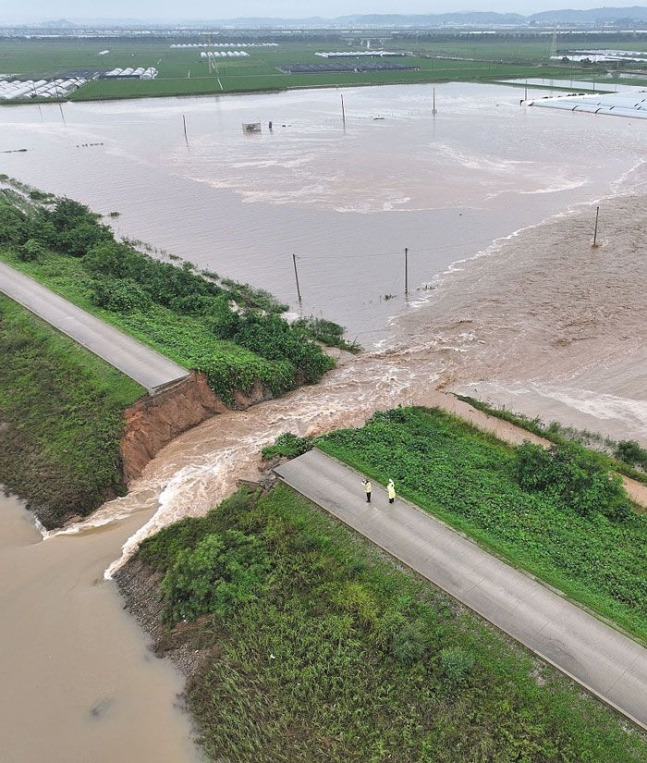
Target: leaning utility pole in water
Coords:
[[406, 272], [595, 231], [296, 276]]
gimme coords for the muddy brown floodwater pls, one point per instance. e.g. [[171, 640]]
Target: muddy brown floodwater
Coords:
[[551, 326], [77, 681]]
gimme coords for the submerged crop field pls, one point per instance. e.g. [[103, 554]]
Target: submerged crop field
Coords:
[[182, 71]]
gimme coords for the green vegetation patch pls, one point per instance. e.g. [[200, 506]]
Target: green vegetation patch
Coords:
[[625, 457], [314, 647], [437, 57], [60, 418], [233, 333], [560, 516]]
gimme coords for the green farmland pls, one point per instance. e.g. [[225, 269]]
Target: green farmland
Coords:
[[182, 72]]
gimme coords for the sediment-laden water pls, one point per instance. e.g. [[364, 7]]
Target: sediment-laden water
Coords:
[[78, 681], [507, 300], [346, 199]]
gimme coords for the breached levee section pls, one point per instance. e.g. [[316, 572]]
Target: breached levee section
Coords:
[[155, 420]]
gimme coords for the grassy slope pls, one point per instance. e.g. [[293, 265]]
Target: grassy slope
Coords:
[[466, 478], [343, 657], [61, 412], [183, 338], [559, 433]]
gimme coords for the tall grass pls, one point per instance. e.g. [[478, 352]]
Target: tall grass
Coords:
[[61, 418]]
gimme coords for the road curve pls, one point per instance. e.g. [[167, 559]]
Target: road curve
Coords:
[[601, 659], [143, 364]]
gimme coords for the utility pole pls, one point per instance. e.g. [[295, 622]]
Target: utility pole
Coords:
[[343, 112], [296, 276], [184, 123], [595, 231], [406, 272]]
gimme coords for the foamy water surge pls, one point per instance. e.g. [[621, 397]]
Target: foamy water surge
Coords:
[[201, 467]]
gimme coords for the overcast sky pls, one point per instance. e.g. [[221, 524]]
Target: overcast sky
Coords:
[[170, 10]]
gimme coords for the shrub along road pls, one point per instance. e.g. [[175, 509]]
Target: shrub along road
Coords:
[[601, 659], [141, 363]]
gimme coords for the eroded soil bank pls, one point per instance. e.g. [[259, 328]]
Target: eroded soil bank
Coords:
[[154, 421]]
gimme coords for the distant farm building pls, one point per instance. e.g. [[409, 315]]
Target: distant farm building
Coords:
[[176, 46], [130, 73], [602, 56], [223, 54], [341, 66], [365, 54], [352, 61], [14, 89]]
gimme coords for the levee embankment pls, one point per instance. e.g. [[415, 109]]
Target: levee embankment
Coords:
[[154, 421]]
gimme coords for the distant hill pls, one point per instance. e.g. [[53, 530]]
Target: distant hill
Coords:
[[591, 17], [595, 17], [471, 18]]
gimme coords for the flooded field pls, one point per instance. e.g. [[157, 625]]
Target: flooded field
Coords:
[[346, 198]]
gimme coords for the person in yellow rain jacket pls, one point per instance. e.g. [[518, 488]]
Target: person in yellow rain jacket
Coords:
[[367, 490], [390, 489]]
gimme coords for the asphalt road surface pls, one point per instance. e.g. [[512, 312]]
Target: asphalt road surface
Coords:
[[607, 663], [141, 363]]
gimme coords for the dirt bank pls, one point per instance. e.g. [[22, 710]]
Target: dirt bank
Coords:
[[139, 588], [153, 421]]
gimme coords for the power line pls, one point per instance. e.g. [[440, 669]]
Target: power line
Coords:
[[391, 252]]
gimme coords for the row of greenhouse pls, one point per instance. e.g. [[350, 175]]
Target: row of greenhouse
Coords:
[[226, 45], [20, 89], [139, 73], [631, 103], [224, 54]]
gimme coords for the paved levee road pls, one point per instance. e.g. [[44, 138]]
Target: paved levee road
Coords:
[[601, 659], [134, 359]]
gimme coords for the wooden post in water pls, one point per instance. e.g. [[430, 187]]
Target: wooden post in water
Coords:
[[433, 108], [186, 137], [343, 112], [595, 231], [296, 276], [406, 272]]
